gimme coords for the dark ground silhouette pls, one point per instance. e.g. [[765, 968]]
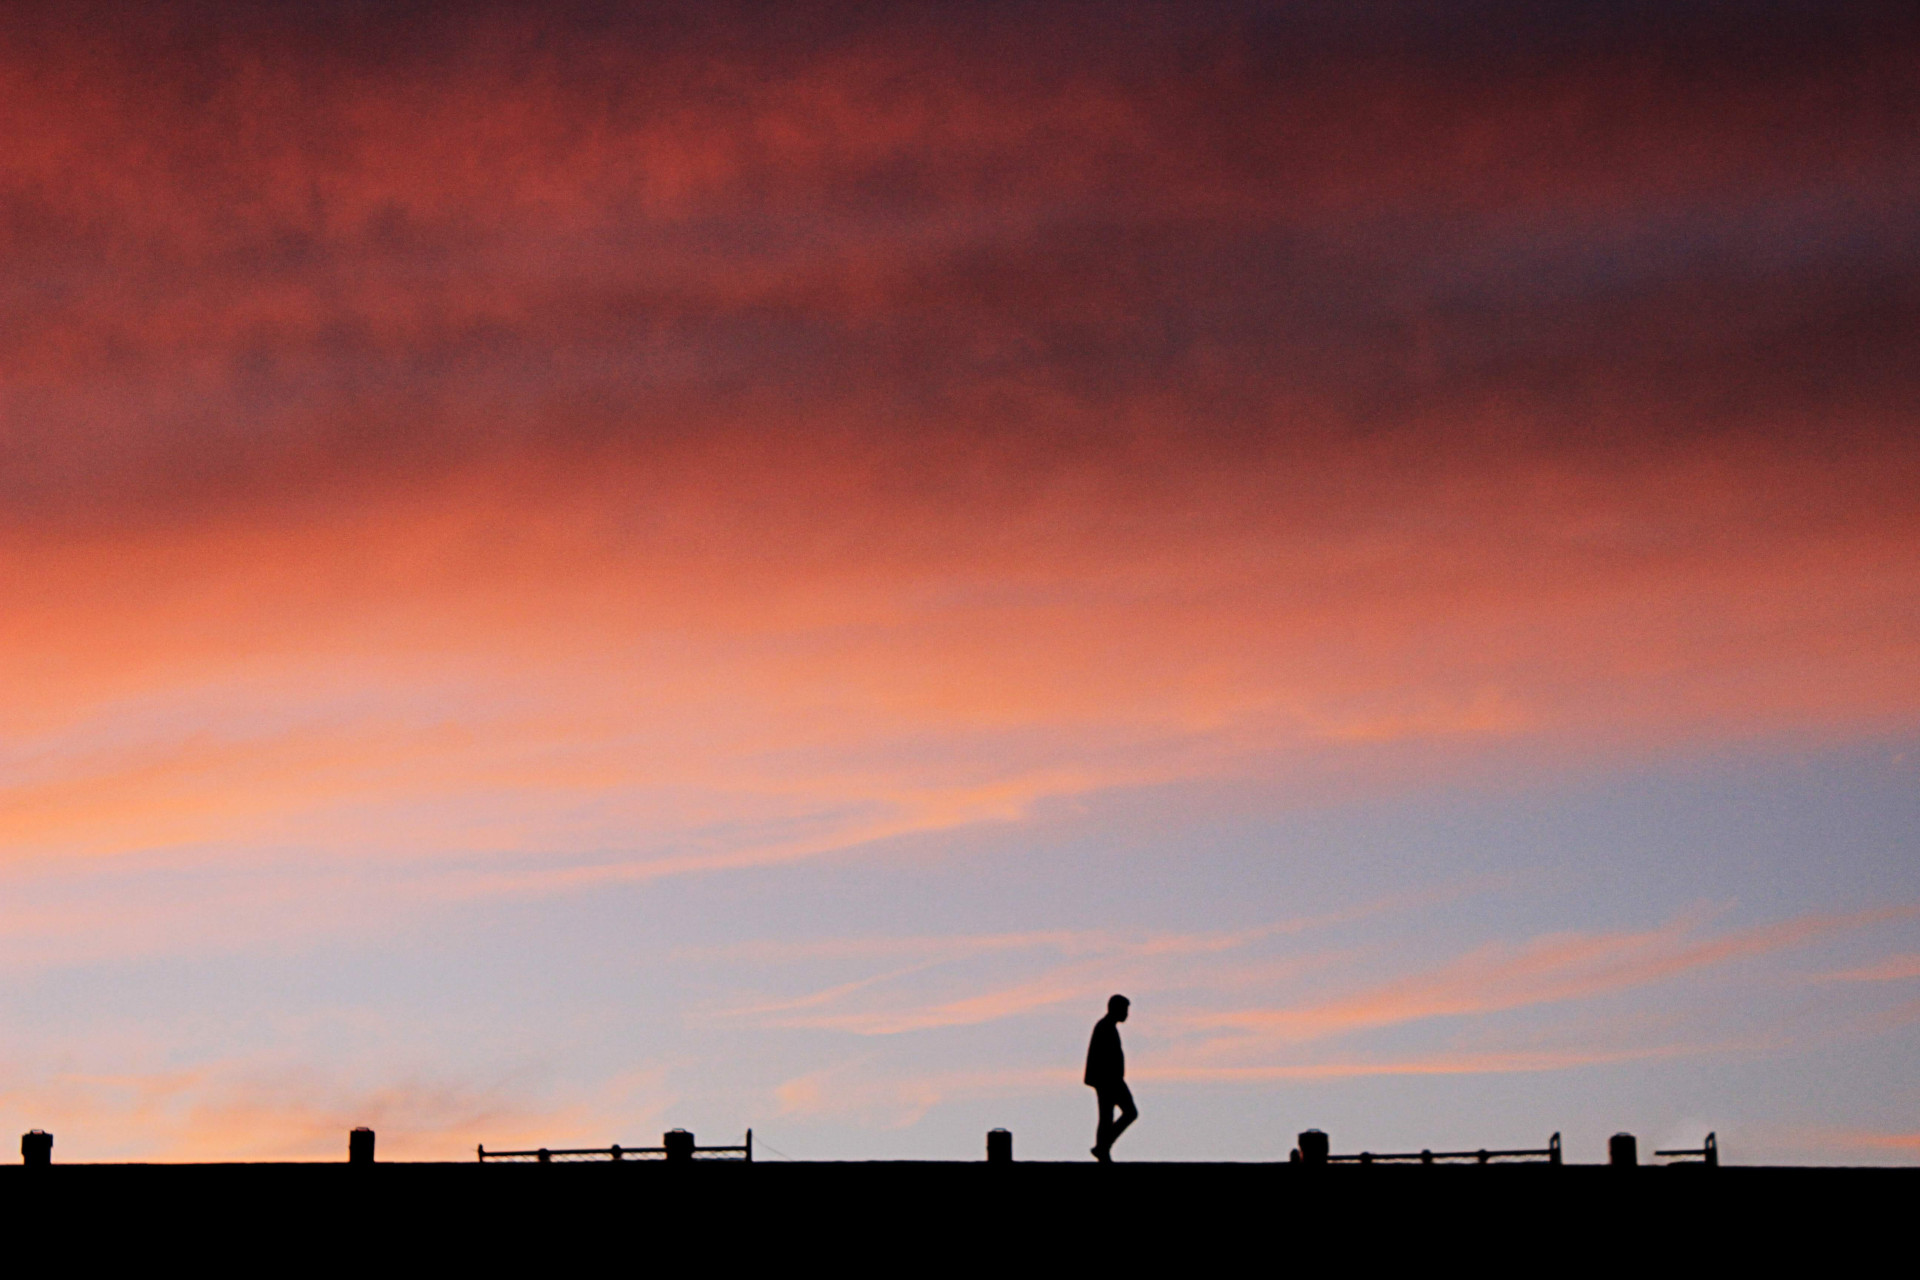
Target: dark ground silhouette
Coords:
[[979, 1215]]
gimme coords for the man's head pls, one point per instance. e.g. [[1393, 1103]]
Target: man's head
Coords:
[[1117, 1008]]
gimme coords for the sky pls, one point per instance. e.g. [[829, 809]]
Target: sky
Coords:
[[566, 572]]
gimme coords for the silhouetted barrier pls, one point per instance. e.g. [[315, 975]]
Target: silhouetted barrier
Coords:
[[360, 1146], [676, 1145], [1708, 1154], [999, 1146], [36, 1147], [1622, 1151], [1549, 1154], [1312, 1148]]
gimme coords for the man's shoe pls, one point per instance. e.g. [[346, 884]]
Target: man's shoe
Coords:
[[1103, 1157]]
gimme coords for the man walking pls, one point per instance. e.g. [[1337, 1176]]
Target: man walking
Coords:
[[1107, 1073]]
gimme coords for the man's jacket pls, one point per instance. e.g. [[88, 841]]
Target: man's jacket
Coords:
[[1106, 1064]]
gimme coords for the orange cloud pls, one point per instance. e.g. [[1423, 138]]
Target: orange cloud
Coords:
[[1885, 1141], [710, 450], [241, 1110], [588, 681]]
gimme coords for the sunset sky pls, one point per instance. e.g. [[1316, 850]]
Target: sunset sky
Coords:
[[575, 569]]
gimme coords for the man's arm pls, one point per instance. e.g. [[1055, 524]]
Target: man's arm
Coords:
[[1103, 1055]]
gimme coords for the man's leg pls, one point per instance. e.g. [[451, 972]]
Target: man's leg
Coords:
[[1123, 1098], [1103, 1133]]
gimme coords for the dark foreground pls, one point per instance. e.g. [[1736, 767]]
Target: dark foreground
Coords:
[[945, 1217]]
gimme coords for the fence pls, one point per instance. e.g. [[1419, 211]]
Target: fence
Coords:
[[1707, 1154], [676, 1144], [1549, 1154]]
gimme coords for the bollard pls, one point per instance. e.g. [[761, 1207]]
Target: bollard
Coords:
[[679, 1144], [360, 1146], [999, 1146], [36, 1148], [1622, 1151], [1313, 1147]]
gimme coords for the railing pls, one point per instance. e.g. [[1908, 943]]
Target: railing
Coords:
[[675, 1145], [1549, 1154], [1708, 1153]]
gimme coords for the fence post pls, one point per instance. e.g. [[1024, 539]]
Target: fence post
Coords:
[[545, 1156], [749, 1146], [679, 1144], [1622, 1151], [1553, 1151], [1313, 1147], [1712, 1152], [360, 1146], [36, 1148]]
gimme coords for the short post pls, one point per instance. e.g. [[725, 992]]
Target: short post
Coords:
[[1622, 1151], [1313, 1147], [36, 1148], [679, 1144], [749, 1146], [1553, 1151], [360, 1146], [999, 1146], [1711, 1152], [544, 1156]]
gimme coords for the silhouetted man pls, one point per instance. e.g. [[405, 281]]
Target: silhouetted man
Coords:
[[1107, 1073]]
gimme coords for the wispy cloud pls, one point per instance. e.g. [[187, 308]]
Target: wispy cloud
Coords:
[[1100, 959], [1892, 969], [1550, 969], [1439, 1064]]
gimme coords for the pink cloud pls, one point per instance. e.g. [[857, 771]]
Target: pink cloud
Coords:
[[1892, 969], [1551, 969]]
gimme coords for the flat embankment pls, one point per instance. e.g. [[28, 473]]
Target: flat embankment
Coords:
[[951, 1215]]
